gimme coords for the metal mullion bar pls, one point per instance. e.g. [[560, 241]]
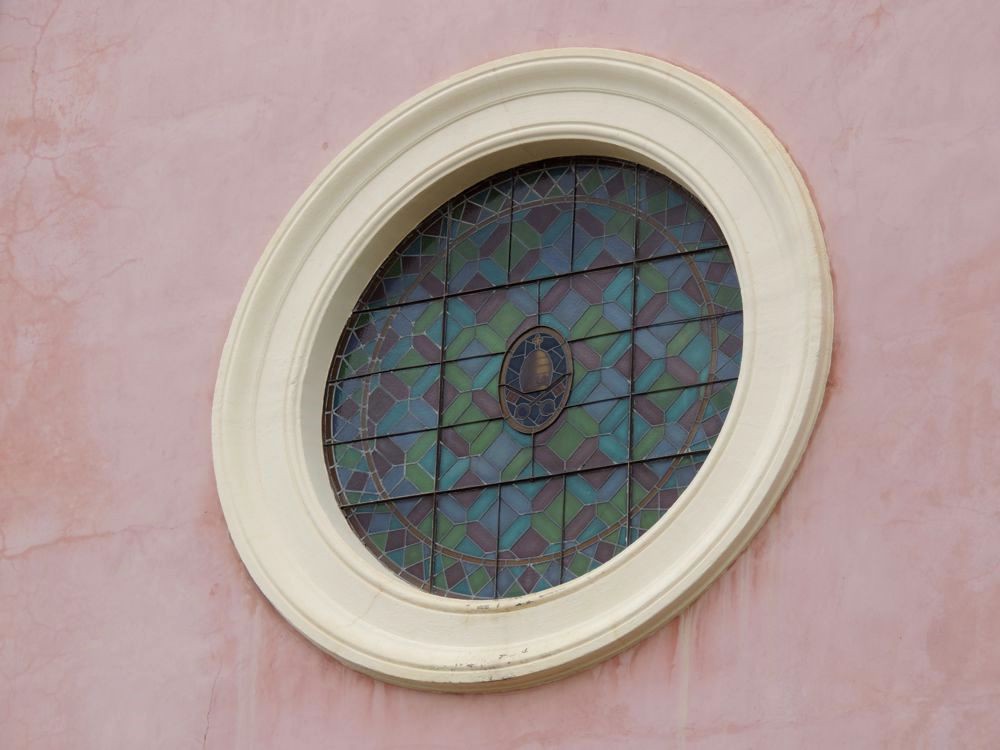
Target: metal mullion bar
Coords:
[[510, 250], [510, 223], [718, 381], [509, 284], [335, 381], [437, 447], [496, 553], [562, 535], [679, 321], [631, 370], [507, 482], [572, 258], [572, 231], [682, 321]]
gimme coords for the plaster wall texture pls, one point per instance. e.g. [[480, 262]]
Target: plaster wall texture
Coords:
[[147, 152]]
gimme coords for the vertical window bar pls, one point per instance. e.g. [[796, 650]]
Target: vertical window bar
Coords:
[[437, 448], [631, 371]]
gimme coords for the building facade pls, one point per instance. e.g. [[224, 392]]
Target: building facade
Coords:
[[151, 151]]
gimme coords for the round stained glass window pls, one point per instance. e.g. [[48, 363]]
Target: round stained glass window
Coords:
[[533, 377]]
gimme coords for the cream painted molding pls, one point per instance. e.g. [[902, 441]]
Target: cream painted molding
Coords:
[[266, 425]]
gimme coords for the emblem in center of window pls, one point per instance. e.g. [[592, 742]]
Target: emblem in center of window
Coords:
[[535, 379]]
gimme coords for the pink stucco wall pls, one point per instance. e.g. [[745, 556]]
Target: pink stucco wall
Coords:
[[149, 149]]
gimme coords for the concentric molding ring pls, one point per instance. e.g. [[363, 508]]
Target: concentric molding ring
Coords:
[[266, 429]]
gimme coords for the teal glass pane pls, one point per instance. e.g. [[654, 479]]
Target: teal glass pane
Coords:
[[530, 548], [465, 549], [679, 421]]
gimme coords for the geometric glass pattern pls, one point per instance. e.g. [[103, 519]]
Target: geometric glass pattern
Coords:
[[533, 377]]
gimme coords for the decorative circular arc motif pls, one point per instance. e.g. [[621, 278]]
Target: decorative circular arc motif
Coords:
[[269, 462], [535, 380]]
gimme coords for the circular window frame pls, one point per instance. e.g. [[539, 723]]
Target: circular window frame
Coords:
[[266, 428]]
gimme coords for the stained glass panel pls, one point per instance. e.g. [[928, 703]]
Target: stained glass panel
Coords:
[[588, 304], [685, 287], [679, 421], [671, 219], [416, 271], [385, 403], [465, 543], [384, 468], [655, 487], [470, 390], [596, 519], [542, 223], [398, 534], [483, 453], [531, 523], [604, 225], [485, 322], [585, 437], [680, 354], [603, 368], [480, 236], [533, 378], [390, 338]]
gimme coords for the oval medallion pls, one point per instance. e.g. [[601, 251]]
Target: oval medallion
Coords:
[[535, 379]]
